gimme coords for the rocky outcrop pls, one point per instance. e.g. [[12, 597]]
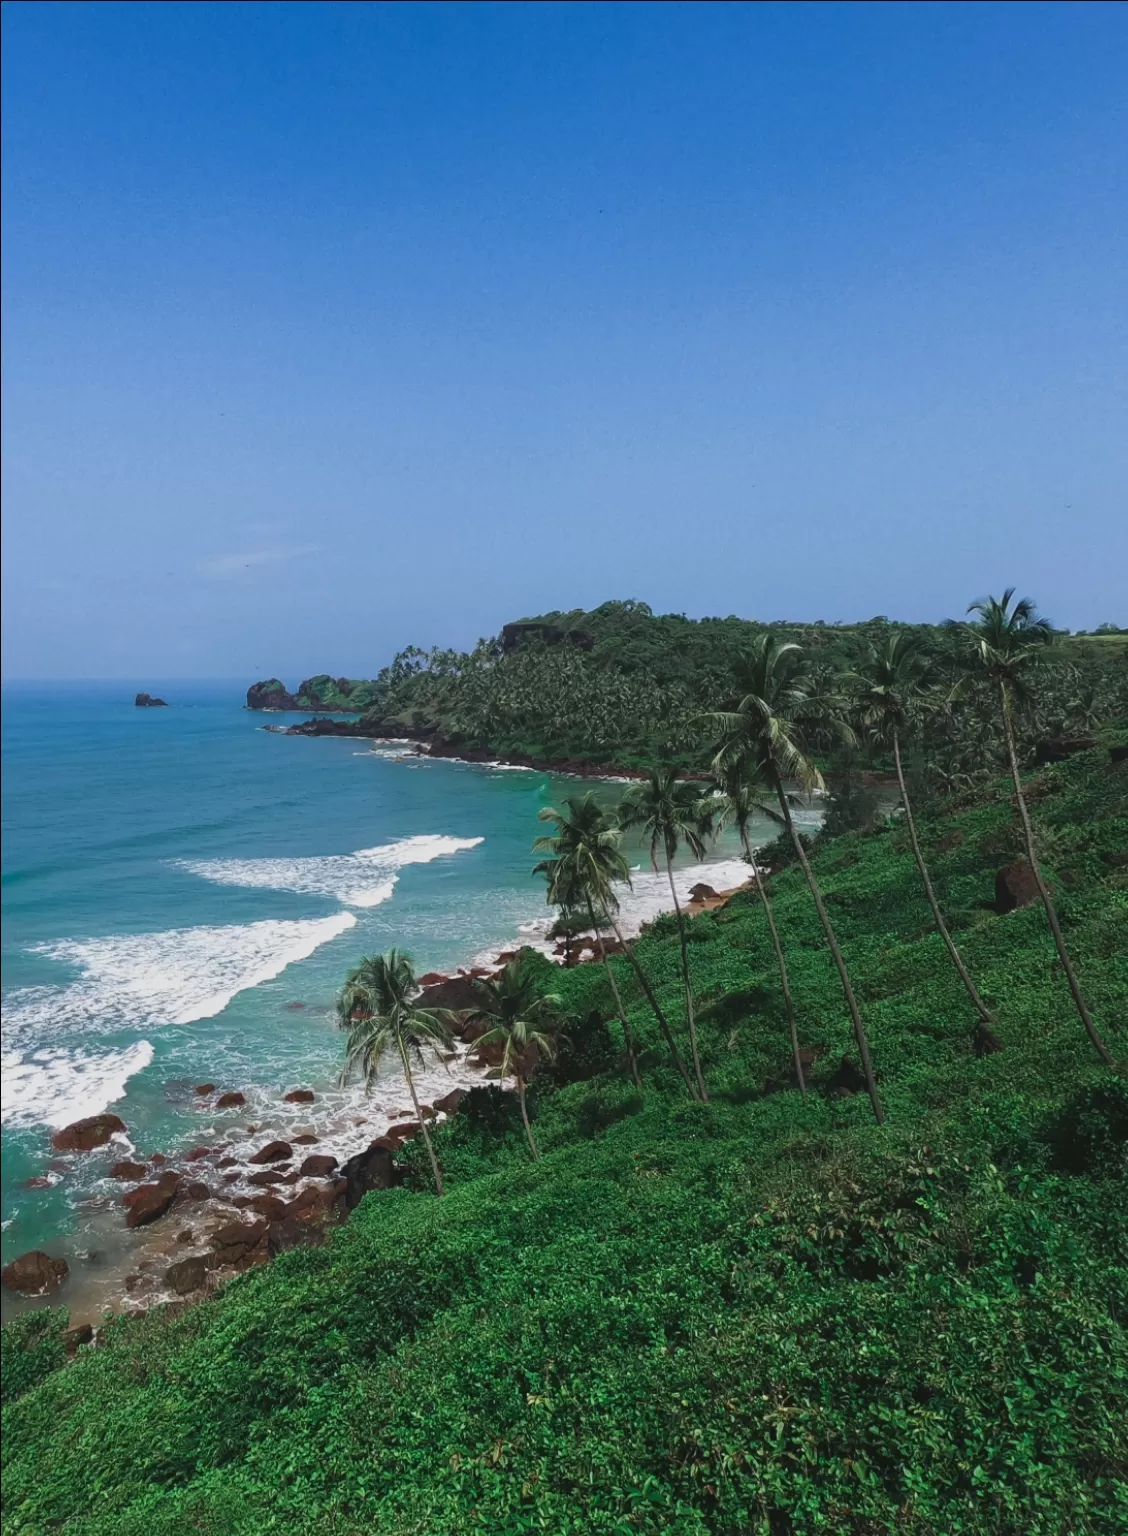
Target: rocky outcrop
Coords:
[[148, 1202], [273, 1152], [516, 634], [146, 701], [318, 1165], [202, 1090], [448, 1104], [1015, 886], [321, 725], [128, 1170], [299, 1096], [86, 1135], [271, 694], [230, 1101], [232, 1243], [366, 1171], [453, 992], [34, 1274], [187, 1275]]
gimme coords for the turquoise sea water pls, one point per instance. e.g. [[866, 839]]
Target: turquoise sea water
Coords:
[[183, 892]]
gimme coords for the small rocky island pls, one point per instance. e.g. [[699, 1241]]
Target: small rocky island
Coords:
[[147, 701]]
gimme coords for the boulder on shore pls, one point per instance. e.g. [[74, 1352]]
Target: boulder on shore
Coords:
[[299, 1096], [187, 1275], [149, 1201], [230, 1101], [318, 1166], [366, 1171], [34, 1273], [273, 1152], [448, 1104], [1015, 886], [86, 1135], [128, 1170]]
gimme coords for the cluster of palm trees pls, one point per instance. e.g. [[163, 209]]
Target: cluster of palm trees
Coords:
[[760, 750], [783, 708]]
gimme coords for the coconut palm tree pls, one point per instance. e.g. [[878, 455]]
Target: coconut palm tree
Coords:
[[377, 1007], [1006, 640], [736, 803], [670, 812], [893, 681], [521, 1022], [758, 732], [585, 864]]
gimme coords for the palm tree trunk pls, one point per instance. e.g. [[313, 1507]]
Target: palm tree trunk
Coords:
[[422, 1122], [972, 990], [701, 1089], [782, 963], [525, 1118], [1099, 1046], [632, 1059], [840, 964], [648, 991]]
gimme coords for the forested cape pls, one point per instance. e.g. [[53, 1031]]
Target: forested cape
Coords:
[[761, 1315], [623, 686]]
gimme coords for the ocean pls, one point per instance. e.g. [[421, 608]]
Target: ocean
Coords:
[[183, 893]]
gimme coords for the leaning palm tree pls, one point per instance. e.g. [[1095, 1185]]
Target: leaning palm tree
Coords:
[[585, 864], [894, 680], [670, 812], [1006, 640], [521, 1022], [377, 1006], [758, 732], [736, 803]]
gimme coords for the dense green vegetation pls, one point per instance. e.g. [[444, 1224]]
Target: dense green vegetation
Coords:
[[760, 1314], [621, 684]]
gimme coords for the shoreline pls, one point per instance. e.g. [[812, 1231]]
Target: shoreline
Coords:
[[221, 1181]]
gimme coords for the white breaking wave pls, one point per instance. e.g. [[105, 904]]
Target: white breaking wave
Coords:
[[361, 879], [143, 980], [55, 1086]]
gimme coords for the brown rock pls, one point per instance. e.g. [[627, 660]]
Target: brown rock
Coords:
[[266, 1176], [203, 1089], [305, 1140], [269, 1206], [200, 1152], [1015, 886], [85, 1135], [368, 1170], [227, 1162], [73, 1337], [187, 1275], [703, 892], [157, 1159], [404, 1131], [234, 1241], [149, 1201], [273, 1152], [291, 1233], [311, 1202], [230, 1101], [34, 1273], [448, 1104], [197, 1190], [318, 1166], [128, 1170], [300, 1096]]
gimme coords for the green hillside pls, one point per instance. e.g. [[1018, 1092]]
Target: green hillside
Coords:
[[760, 1314]]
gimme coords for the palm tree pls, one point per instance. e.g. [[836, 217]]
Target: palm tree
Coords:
[[585, 863], [894, 680], [758, 732], [737, 803], [376, 1006], [1006, 640], [520, 1023], [669, 811]]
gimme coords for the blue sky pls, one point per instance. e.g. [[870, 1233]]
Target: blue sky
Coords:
[[330, 328]]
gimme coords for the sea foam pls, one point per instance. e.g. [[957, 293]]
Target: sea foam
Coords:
[[361, 879], [55, 1086]]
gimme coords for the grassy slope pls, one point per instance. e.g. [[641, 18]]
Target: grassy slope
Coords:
[[760, 1315]]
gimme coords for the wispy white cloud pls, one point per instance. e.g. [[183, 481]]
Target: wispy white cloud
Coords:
[[235, 564]]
